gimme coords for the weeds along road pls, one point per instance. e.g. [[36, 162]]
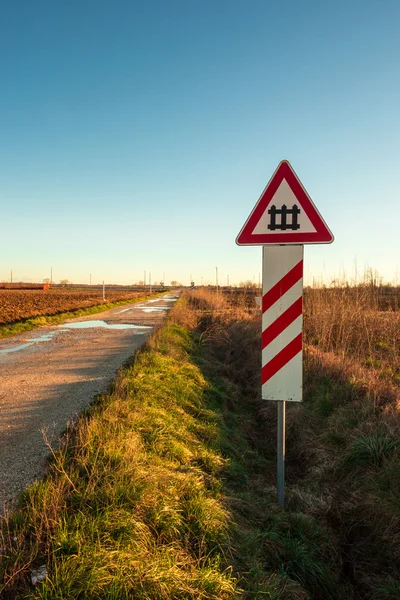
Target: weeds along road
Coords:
[[49, 375]]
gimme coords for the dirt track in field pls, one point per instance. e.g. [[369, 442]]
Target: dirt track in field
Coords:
[[46, 383]]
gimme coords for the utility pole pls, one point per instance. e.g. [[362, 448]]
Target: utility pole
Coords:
[[227, 280], [150, 282], [90, 279], [104, 292], [216, 278]]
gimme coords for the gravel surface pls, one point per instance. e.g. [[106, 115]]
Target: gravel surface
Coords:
[[44, 384]]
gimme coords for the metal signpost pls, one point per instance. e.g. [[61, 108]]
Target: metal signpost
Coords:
[[282, 221]]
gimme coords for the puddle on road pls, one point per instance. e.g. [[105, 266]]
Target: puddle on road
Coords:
[[144, 307], [89, 324], [43, 338], [164, 299], [67, 326], [155, 309]]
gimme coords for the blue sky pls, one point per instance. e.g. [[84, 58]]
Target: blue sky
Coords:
[[138, 135]]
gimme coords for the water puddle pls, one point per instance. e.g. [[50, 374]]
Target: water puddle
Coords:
[[89, 324], [47, 337], [155, 309], [43, 338], [161, 307], [145, 308], [15, 349]]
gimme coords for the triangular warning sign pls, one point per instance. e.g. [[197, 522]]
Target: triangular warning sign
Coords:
[[284, 214]]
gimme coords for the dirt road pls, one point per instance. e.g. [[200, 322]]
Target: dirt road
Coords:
[[50, 374]]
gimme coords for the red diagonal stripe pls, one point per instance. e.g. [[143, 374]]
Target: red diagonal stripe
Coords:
[[280, 360], [283, 321], [282, 286]]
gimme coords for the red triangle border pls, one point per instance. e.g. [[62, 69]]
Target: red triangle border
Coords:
[[322, 235]]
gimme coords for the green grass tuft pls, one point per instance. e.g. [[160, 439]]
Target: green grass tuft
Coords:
[[368, 450]]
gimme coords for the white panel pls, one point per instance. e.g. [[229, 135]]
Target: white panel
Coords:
[[277, 261], [287, 383]]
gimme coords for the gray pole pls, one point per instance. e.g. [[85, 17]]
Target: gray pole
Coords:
[[281, 450]]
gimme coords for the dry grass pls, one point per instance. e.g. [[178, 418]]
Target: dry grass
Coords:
[[296, 554], [343, 441], [349, 322]]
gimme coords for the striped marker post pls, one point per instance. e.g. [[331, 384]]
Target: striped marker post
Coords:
[[282, 354], [283, 219]]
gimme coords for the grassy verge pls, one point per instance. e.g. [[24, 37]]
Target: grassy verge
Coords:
[[9, 329], [128, 510]]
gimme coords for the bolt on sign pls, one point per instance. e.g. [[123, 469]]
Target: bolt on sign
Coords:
[[282, 221]]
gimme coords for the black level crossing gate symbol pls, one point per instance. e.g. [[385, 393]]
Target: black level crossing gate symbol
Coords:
[[284, 212]]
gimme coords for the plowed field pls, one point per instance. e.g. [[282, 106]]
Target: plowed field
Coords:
[[16, 305]]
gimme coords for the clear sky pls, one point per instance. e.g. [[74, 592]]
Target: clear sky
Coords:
[[138, 135]]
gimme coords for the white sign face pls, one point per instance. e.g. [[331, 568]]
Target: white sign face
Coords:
[[282, 321], [284, 198]]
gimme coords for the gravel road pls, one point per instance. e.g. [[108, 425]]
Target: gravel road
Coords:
[[49, 375]]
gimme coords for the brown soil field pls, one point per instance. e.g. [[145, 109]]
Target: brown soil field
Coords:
[[17, 305]]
